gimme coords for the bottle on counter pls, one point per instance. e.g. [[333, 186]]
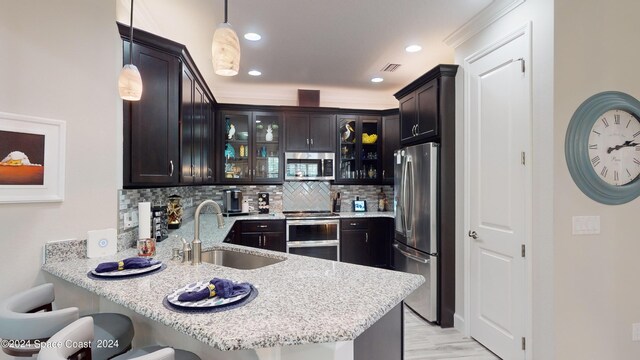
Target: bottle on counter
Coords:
[[382, 200]]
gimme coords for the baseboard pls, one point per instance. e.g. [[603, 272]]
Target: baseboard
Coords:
[[458, 324]]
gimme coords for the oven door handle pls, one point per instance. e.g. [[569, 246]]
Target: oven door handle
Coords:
[[316, 243], [313, 222]]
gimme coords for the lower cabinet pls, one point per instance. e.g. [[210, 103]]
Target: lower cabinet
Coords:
[[261, 234], [366, 241]]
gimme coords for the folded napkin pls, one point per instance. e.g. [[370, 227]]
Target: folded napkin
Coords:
[[217, 287], [130, 263]]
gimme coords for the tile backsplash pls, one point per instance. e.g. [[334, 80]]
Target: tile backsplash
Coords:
[[292, 196]]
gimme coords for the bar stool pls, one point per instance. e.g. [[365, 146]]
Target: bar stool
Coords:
[[29, 316], [79, 335]]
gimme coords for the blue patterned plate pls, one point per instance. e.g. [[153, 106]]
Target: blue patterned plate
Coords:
[[206, 303], [127, 272]]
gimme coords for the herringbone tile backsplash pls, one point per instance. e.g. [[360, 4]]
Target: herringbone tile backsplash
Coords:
[[306, 196]]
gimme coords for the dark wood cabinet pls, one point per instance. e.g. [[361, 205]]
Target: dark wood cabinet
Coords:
[[262, 234], [423, 109], [309, 132], [195, 131], [167, 134], [366, 241], [360, 152], [390, 143], [250, 147], [151, 128]]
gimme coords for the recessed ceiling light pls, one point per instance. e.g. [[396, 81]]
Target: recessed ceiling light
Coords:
[[413, 48], [377, 79], [254, 73], [252, 36]]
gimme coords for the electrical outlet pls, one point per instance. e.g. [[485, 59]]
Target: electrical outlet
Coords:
[[127, 221], [635, 332]]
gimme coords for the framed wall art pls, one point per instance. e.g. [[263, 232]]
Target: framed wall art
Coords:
[[32, 154]]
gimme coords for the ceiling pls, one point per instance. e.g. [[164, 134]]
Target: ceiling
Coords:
[[334, 46]]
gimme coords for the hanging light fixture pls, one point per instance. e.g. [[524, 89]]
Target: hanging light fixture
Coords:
[[225, 49], [130, 82]]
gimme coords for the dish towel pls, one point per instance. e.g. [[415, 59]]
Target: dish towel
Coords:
[[130, 263], [217, 287]]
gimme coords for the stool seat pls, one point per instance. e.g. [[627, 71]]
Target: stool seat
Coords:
[[136, 353], [113, 334]]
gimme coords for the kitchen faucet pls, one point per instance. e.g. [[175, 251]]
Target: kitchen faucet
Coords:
[[196, 244]]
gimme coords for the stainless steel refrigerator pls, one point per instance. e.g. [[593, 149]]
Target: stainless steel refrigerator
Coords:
[[415, 249]]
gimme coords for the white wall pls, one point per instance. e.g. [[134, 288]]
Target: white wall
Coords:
[[540, 14], [60, 59], [597, 292]]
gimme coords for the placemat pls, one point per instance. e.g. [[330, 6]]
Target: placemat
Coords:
[[90, 275], [243, 302]]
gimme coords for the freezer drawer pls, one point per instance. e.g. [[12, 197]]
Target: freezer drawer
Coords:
[[424, 300]]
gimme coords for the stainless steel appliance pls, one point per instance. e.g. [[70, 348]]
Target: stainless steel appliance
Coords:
[[416, 223], [309, 166], [232, 201], [315, 234]]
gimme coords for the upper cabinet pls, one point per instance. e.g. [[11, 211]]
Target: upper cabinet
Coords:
[[250, 148], [423, 108], [309, 132], [151, 125], [168, 133], [360, 150], [390, 143]]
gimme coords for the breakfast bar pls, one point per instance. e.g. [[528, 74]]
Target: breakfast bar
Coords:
[[328, 309]]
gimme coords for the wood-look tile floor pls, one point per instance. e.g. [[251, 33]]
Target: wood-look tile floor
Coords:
[[423, 341]]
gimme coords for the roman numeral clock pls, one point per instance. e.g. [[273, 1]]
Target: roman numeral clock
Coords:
[[602, 147]]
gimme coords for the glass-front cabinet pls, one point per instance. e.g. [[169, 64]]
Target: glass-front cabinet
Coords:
[[251, 150], [359, 153]]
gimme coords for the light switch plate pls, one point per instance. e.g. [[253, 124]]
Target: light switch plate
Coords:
[[586, 225], [101, 243]]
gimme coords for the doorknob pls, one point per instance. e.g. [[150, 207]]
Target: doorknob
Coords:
[[473, 234]]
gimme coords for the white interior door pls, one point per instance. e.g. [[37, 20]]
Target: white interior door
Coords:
[[499, 133]]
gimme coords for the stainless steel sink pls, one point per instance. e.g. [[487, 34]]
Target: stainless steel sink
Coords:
[[237, 260]]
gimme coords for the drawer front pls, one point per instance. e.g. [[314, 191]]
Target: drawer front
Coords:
[[354, 224], [263, 226]]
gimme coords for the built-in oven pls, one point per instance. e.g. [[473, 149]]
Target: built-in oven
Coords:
[[318, 238], [309, 166]]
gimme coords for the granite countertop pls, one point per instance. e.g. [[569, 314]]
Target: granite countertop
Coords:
[[301, 300]]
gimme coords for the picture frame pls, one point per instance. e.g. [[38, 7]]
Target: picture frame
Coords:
[[359, 205], [32, 159]]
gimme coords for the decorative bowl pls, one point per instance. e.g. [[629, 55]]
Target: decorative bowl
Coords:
[[242, 135]]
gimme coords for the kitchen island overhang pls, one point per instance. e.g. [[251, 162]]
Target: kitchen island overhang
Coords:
[[302, 301]]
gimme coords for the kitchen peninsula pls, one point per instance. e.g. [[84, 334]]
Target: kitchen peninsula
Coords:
[[306, 307]]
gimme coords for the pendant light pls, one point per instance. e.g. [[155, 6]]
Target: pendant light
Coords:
[[225, 49], [130, 82]]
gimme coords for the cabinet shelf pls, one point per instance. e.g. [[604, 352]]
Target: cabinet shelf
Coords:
[[236, 141], [274, 142], [236, 159]]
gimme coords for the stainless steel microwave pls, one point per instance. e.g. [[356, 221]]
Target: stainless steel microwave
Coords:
[[309, 166]]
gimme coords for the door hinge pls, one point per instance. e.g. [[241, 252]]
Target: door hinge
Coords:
[[523, 252], [523, 158], [524, 344], [521, 64]]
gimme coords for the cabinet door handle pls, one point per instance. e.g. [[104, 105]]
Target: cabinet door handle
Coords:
[[353, 224], [171, 163], [383, 174], [260, 240], [263, 226], [417, 129], [311, 141], [366, 237], [307, 141]]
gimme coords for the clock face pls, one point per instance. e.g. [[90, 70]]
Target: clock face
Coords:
[[614, 147]]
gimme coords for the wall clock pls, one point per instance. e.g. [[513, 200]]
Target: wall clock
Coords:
[[602, 147]]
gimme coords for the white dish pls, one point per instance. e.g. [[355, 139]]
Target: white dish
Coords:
[[206, 303], [127, 272]]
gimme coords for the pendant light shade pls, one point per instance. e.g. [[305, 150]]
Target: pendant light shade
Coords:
[[225, 49], [130, 81]]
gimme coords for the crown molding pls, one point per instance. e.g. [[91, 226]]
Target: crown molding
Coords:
[[490, 14]]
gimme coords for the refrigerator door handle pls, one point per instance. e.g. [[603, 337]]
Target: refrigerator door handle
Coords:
[[408, 209], [412, 257]]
